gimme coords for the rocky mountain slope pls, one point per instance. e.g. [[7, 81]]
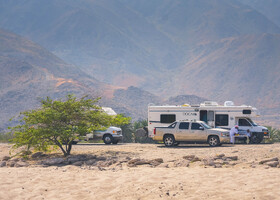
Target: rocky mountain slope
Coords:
[[29, 72], [217, 49]]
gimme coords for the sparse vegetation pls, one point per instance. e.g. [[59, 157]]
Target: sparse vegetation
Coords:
[[274, 134]]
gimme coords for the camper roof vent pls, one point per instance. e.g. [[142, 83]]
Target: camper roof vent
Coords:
[[209, 103], [228, 103]]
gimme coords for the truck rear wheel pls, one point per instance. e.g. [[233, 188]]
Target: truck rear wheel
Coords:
[[213, 141], [108, 139], [169, 140]]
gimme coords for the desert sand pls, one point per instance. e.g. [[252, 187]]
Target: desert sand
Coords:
[[227, 172]]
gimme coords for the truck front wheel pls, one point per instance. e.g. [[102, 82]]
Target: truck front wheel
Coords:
[[213, 141], [108, 139], [169, 140]]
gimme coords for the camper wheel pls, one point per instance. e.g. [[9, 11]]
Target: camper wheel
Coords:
[[115, 141], [169, 140], [256, 138]]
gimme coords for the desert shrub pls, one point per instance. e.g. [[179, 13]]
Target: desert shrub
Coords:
[[136, 132], [274, 134]]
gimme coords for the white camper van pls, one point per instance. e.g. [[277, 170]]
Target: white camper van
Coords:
[[222, 116]]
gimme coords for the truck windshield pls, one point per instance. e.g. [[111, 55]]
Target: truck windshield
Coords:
[[251, 121], [205, 125], [172, 125]]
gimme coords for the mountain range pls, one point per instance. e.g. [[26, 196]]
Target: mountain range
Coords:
[[216, 49]]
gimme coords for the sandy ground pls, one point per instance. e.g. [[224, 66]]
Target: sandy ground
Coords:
[[245, 179]]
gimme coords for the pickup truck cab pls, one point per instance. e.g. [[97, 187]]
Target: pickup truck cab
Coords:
[[190, 132]]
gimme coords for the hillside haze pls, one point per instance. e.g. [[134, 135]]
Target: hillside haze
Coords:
[[216, 49], [29, 72]]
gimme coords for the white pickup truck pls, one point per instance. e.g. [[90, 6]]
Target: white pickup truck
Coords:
[[111, 135], [190, 132]]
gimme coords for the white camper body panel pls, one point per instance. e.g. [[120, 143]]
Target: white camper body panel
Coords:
[[213, 114]]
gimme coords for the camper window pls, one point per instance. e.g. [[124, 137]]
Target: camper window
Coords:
[[221, 120], [184, 125], [246, 111], [167, 119]]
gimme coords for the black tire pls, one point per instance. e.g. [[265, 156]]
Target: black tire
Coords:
[[213, 141], [115, 142], [74, 142], [107, 139], [169, 140], [256, 138]]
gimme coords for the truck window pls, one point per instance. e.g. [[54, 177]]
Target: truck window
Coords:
[[251, 122], [221, 120], [172, 125], [184, 125], [195, 126], [243, 122], [167, 119]]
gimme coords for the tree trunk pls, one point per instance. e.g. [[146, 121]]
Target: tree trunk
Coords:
[[69, 148], [61, 147]]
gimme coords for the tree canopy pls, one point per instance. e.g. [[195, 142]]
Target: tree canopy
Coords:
[[59, 122]]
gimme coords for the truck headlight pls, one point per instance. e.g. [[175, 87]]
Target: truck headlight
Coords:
[[225, 134]]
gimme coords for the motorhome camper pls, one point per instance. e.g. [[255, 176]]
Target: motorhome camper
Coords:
[[215, 115]]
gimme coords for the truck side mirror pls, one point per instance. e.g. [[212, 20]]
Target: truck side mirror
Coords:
[[201, 128]]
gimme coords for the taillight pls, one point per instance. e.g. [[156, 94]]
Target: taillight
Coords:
[[154, 131]]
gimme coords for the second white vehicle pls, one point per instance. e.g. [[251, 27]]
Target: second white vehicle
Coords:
[[111, 135]]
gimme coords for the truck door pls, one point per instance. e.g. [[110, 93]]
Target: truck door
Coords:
[[197, 132], [183, 131]]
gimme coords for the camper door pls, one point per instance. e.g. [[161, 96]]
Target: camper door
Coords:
[[208, 116]]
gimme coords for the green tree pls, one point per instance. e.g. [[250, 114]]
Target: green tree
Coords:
[[59, 123]]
